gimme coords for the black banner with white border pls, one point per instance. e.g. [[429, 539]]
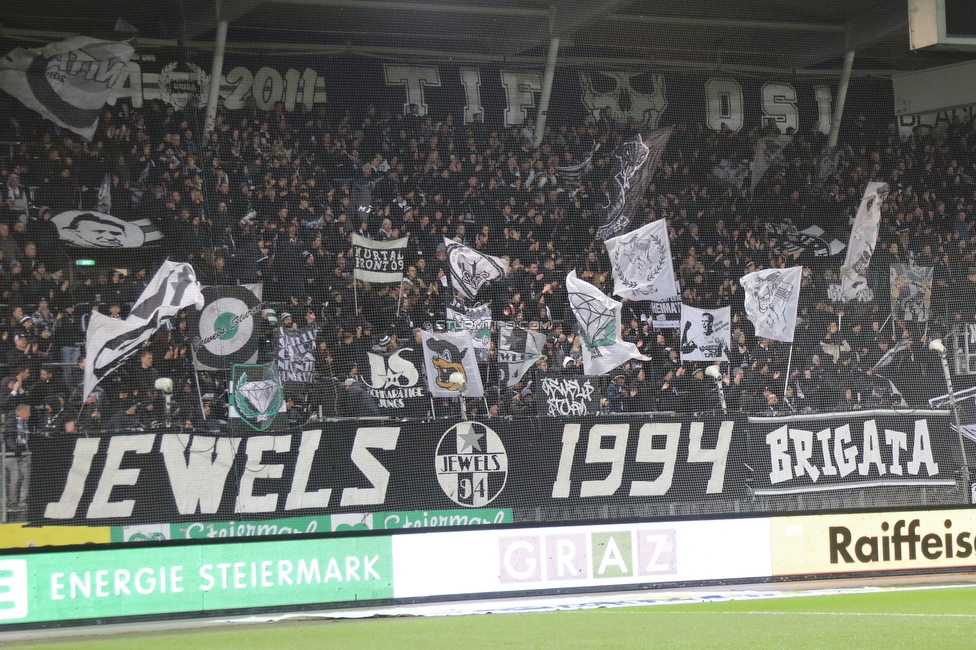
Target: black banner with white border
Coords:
[[565, 466]]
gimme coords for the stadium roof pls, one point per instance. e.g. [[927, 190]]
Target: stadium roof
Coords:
[[784, 36]]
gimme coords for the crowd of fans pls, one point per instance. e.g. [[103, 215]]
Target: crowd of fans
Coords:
[[273, 197]]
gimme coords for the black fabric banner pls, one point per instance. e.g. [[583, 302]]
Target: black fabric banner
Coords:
[[852, 450], [567, 468]]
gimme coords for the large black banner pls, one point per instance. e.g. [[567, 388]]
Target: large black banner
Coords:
[[852, 450], [504, 95], [572, 466], [356, 467]]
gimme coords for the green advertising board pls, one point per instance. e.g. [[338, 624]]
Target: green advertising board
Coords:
[[468, 517], [143, 580]]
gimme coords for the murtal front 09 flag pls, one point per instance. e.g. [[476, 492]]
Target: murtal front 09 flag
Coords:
[[450, 364], [67, 82], [378, 261], [864, 237], [705, 333], [634, 163], [471, 269], [641, 261], [110, 341], [771, 300], [598, 317]]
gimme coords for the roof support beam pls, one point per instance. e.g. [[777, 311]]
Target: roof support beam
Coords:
[[682, 21], [386, 5]]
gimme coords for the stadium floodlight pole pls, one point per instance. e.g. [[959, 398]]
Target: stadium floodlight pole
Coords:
[[540, 123], [715, 373], [216, 73], [938, 346], [845, 80]]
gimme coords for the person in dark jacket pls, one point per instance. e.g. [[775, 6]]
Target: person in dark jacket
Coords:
[[358, 403], [17, 464]]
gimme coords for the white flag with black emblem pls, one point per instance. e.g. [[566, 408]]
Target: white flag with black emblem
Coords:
[[518, 350], [705, 333], [110, 341], [772, 297], [641, 261], [598, 317], [67, 82], [864, 237], [451, 366], [378, 261], [471, 269]]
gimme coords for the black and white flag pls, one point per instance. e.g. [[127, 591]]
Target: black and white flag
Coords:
[[450, 365], [394, 377], [573, 174], [641, 261], [911, 292], [598, 317], [705, 334], [518, 350], [67, 82], [864, 237], [91, 229], [110, 341], [378, 261], [471, 269], [771, 300], [731, 172], [296, 354], [769, 152], [571, 396], [634, 165], [226, 332], [901, 345], [477, 321]]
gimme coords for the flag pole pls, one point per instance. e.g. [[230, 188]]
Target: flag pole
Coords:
[[789, 364], [196, 376]]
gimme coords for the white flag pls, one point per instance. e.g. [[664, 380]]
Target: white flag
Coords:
[[641, 262], [518, 350], [452, 370], [598, 316], [477, 321], [110, 341], [772, 297], [705, 333], [769, 151], [67, 82], [911, 292], [864, 236], [471, 269], [378, 261]]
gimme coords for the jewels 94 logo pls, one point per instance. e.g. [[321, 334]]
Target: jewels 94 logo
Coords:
[[471, 463]]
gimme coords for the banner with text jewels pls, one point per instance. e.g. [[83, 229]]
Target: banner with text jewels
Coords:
[[560, 469]]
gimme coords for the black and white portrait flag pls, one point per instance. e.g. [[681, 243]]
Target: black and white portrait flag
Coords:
[[90, 229], [771, 300], [67, 82], [518, 350], [705, 334], [864, 237], [471, 269], [110, 341], [911, 292], [634, 163], [378, 261], [641, 261]]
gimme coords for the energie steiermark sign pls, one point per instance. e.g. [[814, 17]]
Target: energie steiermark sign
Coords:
[[135, 580]]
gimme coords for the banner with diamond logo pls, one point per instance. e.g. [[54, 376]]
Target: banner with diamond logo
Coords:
[[256, 394]]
